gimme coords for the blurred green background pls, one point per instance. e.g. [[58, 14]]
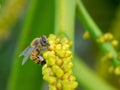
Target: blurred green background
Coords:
[[23, 20]]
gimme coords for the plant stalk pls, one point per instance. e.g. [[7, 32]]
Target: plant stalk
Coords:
[[95, 32]]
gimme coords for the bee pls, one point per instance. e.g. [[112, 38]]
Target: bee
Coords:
[[34, 51]]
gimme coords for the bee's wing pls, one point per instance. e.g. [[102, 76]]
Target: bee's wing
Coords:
[[26, 53], [25, 59], [23, 53]]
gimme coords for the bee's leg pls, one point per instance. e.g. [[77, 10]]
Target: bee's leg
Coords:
[[40, 57], [42, 60], [44, 48]]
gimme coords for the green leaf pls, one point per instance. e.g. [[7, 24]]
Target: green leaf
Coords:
[[39, 21]]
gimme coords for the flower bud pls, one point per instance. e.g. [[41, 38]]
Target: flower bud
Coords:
[[59, 62], [58, 71], [86, 35], [66, 76], [59, 86], [50, 79], [68, 53], [117, 71], [72, 78], [108, 36], [66, 47], [64, 41], [114, 43], [52, 37]]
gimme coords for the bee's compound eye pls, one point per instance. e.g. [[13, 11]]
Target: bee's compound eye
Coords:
[[44, 40]]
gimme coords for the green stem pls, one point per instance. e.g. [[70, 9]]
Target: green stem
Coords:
[[64, 18], [95, 32]]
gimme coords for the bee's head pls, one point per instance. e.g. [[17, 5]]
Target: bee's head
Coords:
[[44, 41]]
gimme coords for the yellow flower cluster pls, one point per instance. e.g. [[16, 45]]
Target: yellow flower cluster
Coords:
[[58, 68], [108, 37]]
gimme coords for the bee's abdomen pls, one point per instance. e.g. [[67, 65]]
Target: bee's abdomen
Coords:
[[34, 56], [37, 61]]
